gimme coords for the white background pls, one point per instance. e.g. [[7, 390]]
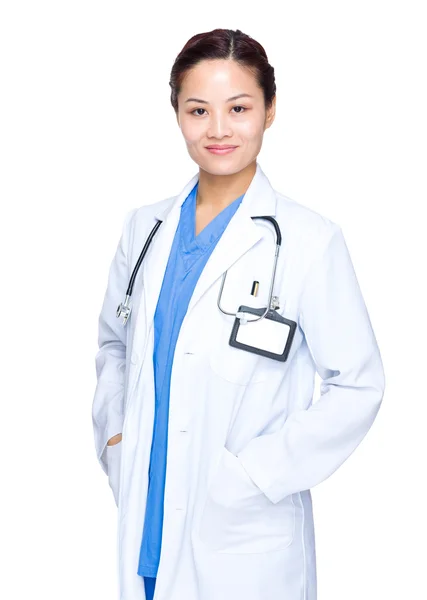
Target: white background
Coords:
[[87, 133]]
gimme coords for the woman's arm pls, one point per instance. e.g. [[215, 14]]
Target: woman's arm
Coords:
[[110, 361], [313, 443]]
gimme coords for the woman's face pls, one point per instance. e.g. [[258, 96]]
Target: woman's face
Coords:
[[209, 114]]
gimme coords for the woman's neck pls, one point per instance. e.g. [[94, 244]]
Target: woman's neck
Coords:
[[218, 191]]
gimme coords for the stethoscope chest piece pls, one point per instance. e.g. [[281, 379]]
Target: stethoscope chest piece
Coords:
[[271, 336], [123, 310]]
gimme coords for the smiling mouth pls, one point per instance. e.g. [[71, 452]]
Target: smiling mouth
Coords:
[[221, 149]]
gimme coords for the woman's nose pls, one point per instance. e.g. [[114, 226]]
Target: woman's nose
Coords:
[[219, 126]]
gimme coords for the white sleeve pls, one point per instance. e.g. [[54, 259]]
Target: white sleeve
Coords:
[[314, 442], [110, 360]]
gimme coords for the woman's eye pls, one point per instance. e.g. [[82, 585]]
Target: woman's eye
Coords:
[[198, 114]]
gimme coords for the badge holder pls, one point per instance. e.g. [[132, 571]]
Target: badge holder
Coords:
[[271, 336]]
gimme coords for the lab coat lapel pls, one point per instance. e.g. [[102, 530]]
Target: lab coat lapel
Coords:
[[156, 260], [240, 235]]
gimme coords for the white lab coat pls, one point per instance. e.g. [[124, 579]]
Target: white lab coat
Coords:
[[246, 441]]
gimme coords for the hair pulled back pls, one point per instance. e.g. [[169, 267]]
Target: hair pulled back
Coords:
[[224, 44]]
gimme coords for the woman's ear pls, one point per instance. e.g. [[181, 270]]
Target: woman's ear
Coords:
[[271, 113]]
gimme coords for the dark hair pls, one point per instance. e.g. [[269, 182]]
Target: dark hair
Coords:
[[225, 44]]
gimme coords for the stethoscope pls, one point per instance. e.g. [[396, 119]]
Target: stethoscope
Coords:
[[124, 308]]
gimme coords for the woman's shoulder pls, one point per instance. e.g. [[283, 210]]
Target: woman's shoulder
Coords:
[[155, 208], [303, 225], [145, 215]]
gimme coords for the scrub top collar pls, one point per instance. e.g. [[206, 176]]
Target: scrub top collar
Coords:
[[211, 232]]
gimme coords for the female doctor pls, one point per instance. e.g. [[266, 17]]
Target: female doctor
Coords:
[[204, 421]]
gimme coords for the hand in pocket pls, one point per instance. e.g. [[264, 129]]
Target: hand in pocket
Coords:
[[113, 460], [238, 518]]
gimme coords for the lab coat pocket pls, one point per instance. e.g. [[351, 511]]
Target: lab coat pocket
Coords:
[[113, 459], [238, 518], [236, 365]]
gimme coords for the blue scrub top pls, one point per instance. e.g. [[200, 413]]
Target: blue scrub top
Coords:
[[188, 256]]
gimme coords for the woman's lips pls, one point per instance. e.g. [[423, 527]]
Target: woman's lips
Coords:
[[222, 150]]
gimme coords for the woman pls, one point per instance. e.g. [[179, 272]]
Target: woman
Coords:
[[231, 515]]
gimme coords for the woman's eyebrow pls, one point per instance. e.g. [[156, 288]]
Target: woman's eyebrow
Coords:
[[228, 100]]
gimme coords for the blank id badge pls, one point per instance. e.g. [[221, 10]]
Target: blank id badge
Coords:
[[270, 337]]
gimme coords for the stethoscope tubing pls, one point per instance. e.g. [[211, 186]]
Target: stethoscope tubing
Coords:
[[141, 257], [124, 307], [273, 221]]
